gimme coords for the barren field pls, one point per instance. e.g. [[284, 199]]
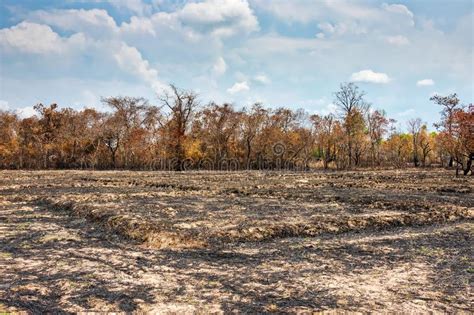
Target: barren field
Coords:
[[245, 242]]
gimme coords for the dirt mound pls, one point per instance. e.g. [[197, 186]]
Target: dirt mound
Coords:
[[159, 235], [346, 223], [148, 233]]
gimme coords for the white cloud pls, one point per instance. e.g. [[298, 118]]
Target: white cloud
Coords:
[[339, 17], [239, 87], [220, 67], [93, 22], [398, 40], [220, 18], [401, 11], [25, 112], [262, 78], [139, 25], [38, 39], [370, 77], [224, 17], [425, 82], [306, 11], [130, 60], [398, 8], [342, 28], [184, 48], [4, 105]]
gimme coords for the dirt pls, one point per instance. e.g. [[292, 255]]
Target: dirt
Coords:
[[245, 242]]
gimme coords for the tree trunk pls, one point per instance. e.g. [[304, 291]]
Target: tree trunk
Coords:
[[113, 159], [248, 146], [469, 164], [349, 145]]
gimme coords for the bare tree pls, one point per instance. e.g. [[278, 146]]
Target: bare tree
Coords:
[[449, 104], [351, 105], [218, 125], [129, 115], [414, 127], [252, 125], [182, 105], [112, 136]]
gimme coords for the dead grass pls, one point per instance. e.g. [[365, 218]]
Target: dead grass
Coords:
[[243, 242], [195, 211]]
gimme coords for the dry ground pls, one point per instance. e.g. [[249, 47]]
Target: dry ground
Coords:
[[245, 242]]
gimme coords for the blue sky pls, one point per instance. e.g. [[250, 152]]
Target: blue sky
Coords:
[[281, 53]]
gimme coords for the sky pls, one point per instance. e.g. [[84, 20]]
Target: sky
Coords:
[[280, 53]]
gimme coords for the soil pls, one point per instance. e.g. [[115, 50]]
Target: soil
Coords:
[[245, 242]]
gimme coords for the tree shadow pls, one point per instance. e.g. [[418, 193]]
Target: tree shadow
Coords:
[[41, 271]]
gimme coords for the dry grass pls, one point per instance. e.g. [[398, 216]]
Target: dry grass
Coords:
[[394, 241], [201, 209]]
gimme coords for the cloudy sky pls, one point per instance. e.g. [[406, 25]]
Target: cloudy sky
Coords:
[[281, 53]]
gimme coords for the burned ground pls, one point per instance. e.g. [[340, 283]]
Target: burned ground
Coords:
[[243, 241]]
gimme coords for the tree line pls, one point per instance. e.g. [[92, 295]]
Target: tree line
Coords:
[[180, 133]]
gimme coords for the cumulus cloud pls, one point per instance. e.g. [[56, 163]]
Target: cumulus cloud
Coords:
[[239, 87], [220, 67], [92, 22], [337, 18], [220, 18], [38, 39], [370, 77], [425, 82], [139, 25], [223, 17], [130, 60], [185, 42]]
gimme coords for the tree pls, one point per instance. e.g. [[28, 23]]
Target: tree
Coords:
[[129, 114], [426, 140], [325, 138], [414, 127], [463, 131], [50, 121], [377, 124], [218, 130], [135, 134], [182, 105], [351, 105], [449, 105], [252, 124], [112, 135], [8, 139]]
